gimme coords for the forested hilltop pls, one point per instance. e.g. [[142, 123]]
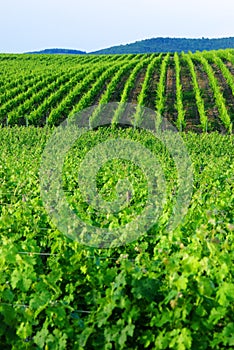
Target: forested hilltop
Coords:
[[58, 51], [154, 45], [170, 45]]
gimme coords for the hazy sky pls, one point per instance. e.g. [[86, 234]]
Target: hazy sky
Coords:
[[90, 25]]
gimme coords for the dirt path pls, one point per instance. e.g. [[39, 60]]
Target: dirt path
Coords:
[[116, 96], [214, 122], [192, 116], [230, 66], [98, 96], [136, 90], [170, 93], [151, 93], [225, 89]]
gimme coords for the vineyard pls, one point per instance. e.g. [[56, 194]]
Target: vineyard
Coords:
[[193, 91], [167, 288]]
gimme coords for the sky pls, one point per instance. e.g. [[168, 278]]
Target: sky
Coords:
[[89, 25]]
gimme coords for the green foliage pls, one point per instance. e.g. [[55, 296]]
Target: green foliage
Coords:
[[128, 86], [160, 95], [167, 290], [199, 100], [219, 99], [44, 90]]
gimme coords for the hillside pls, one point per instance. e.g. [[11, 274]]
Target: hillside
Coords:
[[193, 91], [58, 51], [170, 45], [154, 45]]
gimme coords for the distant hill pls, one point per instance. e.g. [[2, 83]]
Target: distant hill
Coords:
[[154, 45], [170, 45], [58, 51]]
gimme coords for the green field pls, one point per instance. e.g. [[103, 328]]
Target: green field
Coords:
[[193, 91], [167, 289]]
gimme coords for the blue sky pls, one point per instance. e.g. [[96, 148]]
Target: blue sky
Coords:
[[90, 25]]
